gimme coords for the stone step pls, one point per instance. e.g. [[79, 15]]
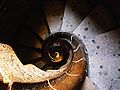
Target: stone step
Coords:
[[104, 60], [54, 11], [75, 12], [28, 55], [27, 38], [36, 21], [97, 22]]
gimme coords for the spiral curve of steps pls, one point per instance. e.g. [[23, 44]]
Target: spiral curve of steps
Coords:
[[91, 21]]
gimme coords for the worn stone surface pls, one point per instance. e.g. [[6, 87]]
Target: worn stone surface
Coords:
[[104, 60], [36, 21], [75, 12], [103, 45], [54, 11], [14, 71], [97, 22]]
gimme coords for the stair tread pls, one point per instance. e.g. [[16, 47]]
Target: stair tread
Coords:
[[27, 55], [37, 22], [54, 10], [75, 12], [97, 22], [104, 59], [27, 38]]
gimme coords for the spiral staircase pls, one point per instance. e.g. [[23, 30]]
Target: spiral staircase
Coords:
[[27, 24]]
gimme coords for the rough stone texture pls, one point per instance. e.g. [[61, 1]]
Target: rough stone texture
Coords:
[[97, 22], [104, 60], [75, 12], [54, 11], [36, 21], [88, 84], [14, 71], [104, 49]]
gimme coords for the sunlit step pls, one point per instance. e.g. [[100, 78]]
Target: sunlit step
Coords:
[[75, 12], [97, 22], [54, 11], [104, 60]]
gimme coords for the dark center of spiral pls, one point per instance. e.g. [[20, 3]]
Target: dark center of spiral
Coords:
[[56, 49], [56, 54]]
